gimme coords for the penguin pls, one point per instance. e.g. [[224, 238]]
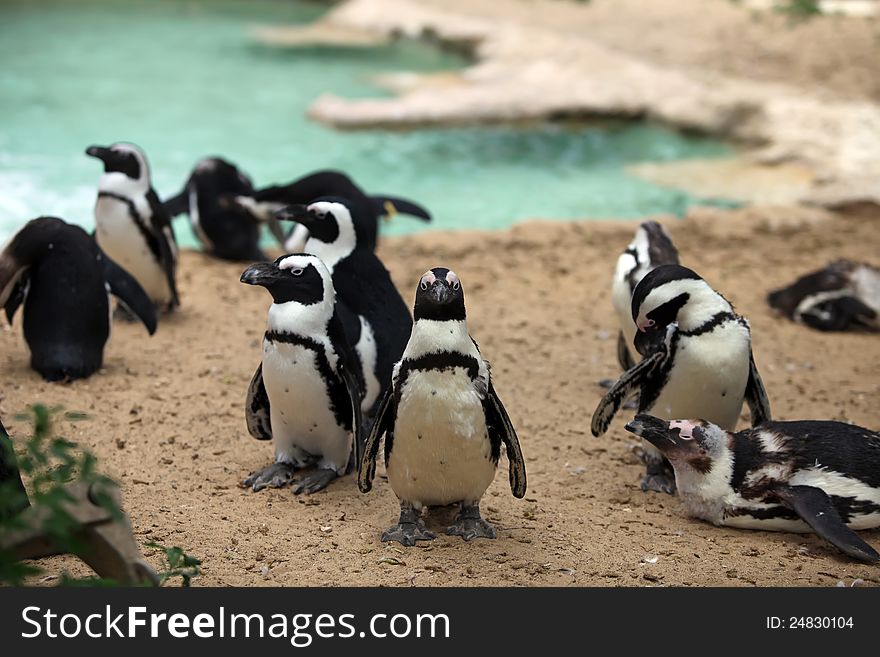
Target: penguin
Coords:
[[801, 476], [375, 317], [650, 248], [844, 296], [697, 362], [58, 272], [131, 225], [11, 485], [369, 209], [442, 420], [223, 230], [305, 395]]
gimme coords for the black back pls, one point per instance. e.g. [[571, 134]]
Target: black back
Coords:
[[66, 309], [844, 448], [234, 235], [367, 209], [833, 277]]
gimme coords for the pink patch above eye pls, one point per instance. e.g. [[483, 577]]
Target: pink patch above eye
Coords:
[[428, 278], [685, 428]]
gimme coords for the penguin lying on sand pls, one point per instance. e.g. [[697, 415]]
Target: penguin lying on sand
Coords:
[[697, 362], [650, 248], [224, 231], [845, 296], [60, 275], [131, 225], [305, 395], [783, 476], [367, 209], [442, 420], [375, 317]]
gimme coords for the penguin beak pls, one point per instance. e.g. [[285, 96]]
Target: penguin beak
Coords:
[[100, 152], [440, 291], [652, 429], [298, 213], [261, 273]]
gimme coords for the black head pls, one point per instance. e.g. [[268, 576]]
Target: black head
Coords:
[[123, 158], [328, 217], [669, 291], [836, 276], [439, 296], [217, 176], [298, 277]]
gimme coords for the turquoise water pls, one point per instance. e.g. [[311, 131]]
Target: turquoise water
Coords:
[[184, 79]]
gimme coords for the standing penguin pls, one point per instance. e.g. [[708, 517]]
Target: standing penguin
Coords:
[[60, 275], [305, 395], [697, 362], [223, 229], [442, 420], [650, 248], [367, 209], [782, 476], [131, 226], [375, 317]]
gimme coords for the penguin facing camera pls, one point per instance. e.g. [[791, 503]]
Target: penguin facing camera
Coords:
[[59, 275], [844, 296], [131, 225], [306, 394], [223, 229], [374, 316], [366, 209], [442, 421], [697, 362], [807, 475]]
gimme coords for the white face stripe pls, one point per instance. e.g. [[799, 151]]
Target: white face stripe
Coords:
[[332, 252], [703, 302], [123, 147]]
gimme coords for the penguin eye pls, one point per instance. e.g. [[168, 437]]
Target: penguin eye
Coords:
[[423, 285], [297, 272], [456, 285], [651, 323]]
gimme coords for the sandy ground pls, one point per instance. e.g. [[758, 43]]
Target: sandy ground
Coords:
[[707, 37], [167, 418]]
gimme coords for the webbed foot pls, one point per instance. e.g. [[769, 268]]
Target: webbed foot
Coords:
[[312, 483], [276, 475], [409, 528], [470, 525]]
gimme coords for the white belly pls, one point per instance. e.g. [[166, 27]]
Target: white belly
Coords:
[[304, 429], [368, 353], [441, 452], [120, 239], [709, 377]]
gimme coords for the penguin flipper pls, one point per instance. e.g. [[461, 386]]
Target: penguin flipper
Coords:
[[383, 423], [815, 508], [400, 205], [17, 295], [256, 412], [623, 356], [177, 205], [160, 223], [756, 395], [627, 385], [352, 377], [126, 288], [498, 422]]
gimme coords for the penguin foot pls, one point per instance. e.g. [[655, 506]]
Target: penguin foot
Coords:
[[661, 482], [409, 528], [312, 483], [276, 475], [470, 525], [407, 533]]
